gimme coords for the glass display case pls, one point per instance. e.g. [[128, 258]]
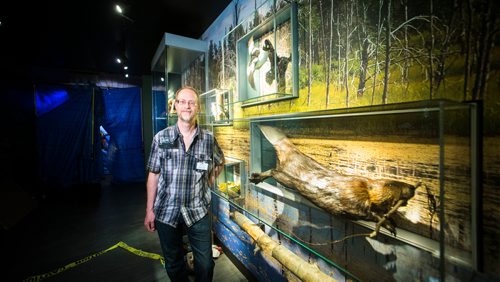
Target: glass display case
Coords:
[[383, 191], [173, 56], [231, 182], [267, 56], [218, 106]]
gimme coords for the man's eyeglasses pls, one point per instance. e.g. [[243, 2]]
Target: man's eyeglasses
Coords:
[[184, 102]]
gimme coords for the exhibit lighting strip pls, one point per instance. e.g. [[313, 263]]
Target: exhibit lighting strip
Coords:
[[347, 113]]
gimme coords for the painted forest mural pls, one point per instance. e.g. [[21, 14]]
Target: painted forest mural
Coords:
[[356, 53]]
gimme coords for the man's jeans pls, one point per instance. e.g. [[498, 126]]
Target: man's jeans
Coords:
[[200, 239]]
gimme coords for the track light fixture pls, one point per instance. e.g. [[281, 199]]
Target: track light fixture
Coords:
[[119, 10]]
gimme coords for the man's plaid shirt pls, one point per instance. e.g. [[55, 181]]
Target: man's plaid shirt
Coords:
[[183, 188]]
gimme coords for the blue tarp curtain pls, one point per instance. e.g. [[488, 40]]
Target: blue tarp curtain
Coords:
[[68, 140], [122, 120], [65, 141]]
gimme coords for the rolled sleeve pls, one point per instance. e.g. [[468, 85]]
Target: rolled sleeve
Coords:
[[218, 154], [154, 163]]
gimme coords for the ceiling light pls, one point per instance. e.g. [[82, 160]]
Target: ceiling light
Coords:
[[119, 9], [125, 67], [118, 60], [162, 79], [126, 75]]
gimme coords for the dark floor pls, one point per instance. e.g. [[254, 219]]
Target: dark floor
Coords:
[[66, 238]]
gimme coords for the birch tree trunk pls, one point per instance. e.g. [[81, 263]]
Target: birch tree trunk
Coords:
[[330, 41], [299, 267], [322, 40], [339, 48], [309, 71], [431, 49], [387, 52], [346, 54], [364, 44], [377, 44], [406, 65], [485, 45], [468, 46]]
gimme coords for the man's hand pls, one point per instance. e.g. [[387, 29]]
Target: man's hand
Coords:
[[151, 187], [149, 221], [215, 173]]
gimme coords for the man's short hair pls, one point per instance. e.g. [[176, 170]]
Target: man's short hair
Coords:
[[190, 88]]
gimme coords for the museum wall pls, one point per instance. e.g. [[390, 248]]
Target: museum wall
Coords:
[[366, 55]]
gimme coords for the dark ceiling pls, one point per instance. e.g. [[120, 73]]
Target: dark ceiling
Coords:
[[87, 36]]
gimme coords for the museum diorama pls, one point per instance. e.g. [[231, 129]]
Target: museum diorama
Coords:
[[359, 136]]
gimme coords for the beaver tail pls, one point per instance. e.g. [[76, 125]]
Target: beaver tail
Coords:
[[272, 134]]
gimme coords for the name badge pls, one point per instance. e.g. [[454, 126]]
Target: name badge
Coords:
[[202, 165]]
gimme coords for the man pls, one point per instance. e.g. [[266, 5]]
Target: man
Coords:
[[184, 162]]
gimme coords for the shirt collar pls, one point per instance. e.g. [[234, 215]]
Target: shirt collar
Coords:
[[177, 132]]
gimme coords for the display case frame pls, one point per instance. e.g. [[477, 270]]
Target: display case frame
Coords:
[[264, 80], [232, 180]]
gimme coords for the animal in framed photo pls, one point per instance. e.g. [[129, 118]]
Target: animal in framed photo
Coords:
[[258, 57]]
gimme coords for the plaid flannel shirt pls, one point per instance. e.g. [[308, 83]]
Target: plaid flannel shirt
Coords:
[[183, 188]]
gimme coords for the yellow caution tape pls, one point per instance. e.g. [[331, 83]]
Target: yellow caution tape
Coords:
[[88, 258], [142, 253]]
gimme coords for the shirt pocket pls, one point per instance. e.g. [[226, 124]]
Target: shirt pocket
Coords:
[[170, 158], [165, 156]]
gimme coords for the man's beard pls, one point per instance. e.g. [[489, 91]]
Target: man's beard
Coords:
[[191, 117]]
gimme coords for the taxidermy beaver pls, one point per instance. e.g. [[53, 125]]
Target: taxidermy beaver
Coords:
[[354, 197]]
